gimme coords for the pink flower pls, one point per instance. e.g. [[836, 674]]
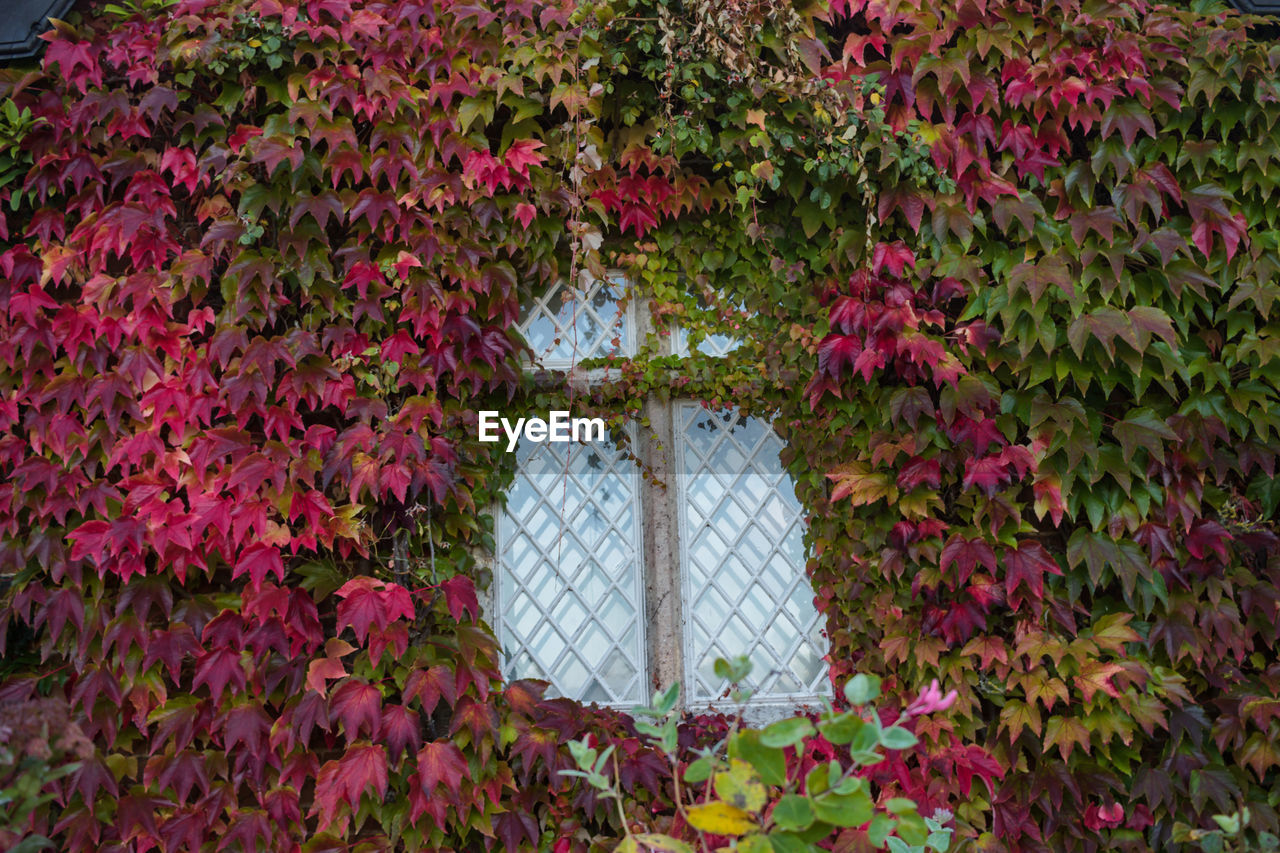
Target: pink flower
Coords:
[[931, 701]]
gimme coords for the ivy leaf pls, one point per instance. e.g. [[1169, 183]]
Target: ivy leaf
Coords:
[[440, 762], [361, 769], [860, 486], [460, 596], [966, 555], [258, 561], [1066, 733], [368, 602], [1099, 551], [1036, 277], [908, 405], [1016, 716], [323, 670], [429, 685], [401, 729], [1143, 428], [1147, 321], [1047, 691], [218, 668], [1027, 566], [358, 704], [837, 351], [1111, 632], [1127, 117], [988, 649], [1095, 676], [1105, 325], [525, 213]]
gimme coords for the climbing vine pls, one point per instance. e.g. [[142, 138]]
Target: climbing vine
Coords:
[[1002, 275]]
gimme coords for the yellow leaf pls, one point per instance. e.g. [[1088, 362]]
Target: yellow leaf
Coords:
[[335, 648], [741, 787], [720, 818], [658, 843], [763, 170], [862, 487]]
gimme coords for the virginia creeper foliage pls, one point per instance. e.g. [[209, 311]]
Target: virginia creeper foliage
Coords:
[[1002, 272]]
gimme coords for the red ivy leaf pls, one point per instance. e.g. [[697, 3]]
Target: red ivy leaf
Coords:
[[460, 596], [259, 560], [358, 704], [525, 214], [362, 768], [441, 762], [428, 685], [367, 601], [401, 729], [1027, 567], [522, 154], [217, 669], [836, 351], [966, 554]]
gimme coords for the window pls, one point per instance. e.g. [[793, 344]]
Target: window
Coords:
[[715, 345], [570, 598], [607, 585], [564, 327], [742, 559]]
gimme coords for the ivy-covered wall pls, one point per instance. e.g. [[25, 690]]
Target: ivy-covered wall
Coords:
[[1003, 274]]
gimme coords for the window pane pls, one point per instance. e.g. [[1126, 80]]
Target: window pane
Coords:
[[565, 327], [716, 346], [569, 578], [743, 555]]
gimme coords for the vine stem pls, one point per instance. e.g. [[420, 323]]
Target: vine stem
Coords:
[[617, 794]]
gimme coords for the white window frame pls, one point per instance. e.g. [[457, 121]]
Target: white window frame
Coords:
[[663, 540]]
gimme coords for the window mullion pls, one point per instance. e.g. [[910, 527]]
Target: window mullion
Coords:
[[664, 592]]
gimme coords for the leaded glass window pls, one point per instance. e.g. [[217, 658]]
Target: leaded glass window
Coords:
[[565, 326], [742, 537], [569, 593], [573, 569]]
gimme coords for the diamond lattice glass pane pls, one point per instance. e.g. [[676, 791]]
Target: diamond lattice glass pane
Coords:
[[743, 557], [569, 580], [716, 346], [564, 326]]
